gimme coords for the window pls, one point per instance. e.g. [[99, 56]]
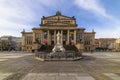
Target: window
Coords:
[[79, 37], [45, 35], [37, 37]]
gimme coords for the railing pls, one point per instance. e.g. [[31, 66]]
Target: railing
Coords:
[[58, 55]]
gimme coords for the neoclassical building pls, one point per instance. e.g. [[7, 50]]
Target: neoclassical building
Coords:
[[45, 34]]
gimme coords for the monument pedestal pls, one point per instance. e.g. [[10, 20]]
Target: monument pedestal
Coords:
[[58, 48]]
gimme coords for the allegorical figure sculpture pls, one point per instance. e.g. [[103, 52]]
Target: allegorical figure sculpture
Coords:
[[58, 37], [58, 46]]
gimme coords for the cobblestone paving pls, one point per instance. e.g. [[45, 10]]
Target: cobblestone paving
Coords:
[[10, 55], [4, 75], [23, 66], [58, 76], [113, 76]]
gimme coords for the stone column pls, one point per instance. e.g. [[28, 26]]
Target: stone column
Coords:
[[75, 37], [61, 36], [41, 37], [68, 32], [54, 36], [48, 37], [26, 43], [23, 41], [33, 37]]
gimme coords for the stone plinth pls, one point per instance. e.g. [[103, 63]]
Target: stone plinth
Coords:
[[58, 48]]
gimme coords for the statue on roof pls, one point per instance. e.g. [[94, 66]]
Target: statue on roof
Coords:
[[23, 30], [58, 13], [93, 30]]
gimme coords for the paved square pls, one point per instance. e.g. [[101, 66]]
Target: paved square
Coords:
[[113, 76], [58, 76], [96, 66], [4, 75]]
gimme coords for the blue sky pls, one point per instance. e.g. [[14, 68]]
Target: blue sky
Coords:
[[100, 15]]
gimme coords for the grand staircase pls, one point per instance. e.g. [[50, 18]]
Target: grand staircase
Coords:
[[45, 48], [70, 48], [48, 48], [45, 53]]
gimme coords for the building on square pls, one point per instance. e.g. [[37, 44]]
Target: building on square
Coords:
[[117, 44], [45, 34], [8, 43], [105, 44]]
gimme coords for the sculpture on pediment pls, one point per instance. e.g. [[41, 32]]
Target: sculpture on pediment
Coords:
[[58, 13]]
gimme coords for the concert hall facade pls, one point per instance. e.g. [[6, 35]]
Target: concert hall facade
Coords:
[[45, 34]]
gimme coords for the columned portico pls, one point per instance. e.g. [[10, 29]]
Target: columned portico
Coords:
[[66, 33]]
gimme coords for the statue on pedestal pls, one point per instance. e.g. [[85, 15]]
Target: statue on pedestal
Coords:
[[58, 47], [58, 37]]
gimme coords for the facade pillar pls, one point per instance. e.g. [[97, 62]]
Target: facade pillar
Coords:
[[33, 37], [42, 37], [54, 36], [68, 32], [26, 43], [48, 37], [61, 36], [23, 41], [75, 37]]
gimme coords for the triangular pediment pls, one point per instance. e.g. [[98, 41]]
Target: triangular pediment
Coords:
[[58, 19]]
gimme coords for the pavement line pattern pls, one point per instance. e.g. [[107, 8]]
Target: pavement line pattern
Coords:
[[58, 76], [3, 59], [12, 56], [4, 75], [112, 76], [104, 55], [115, 60]]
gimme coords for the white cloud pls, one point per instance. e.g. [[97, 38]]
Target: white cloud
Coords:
[[18, 14], [11, 28], [96, 8], [107, 33], [91, 5], [13, 17], [111, 29], [12, 25], [15, 9]]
